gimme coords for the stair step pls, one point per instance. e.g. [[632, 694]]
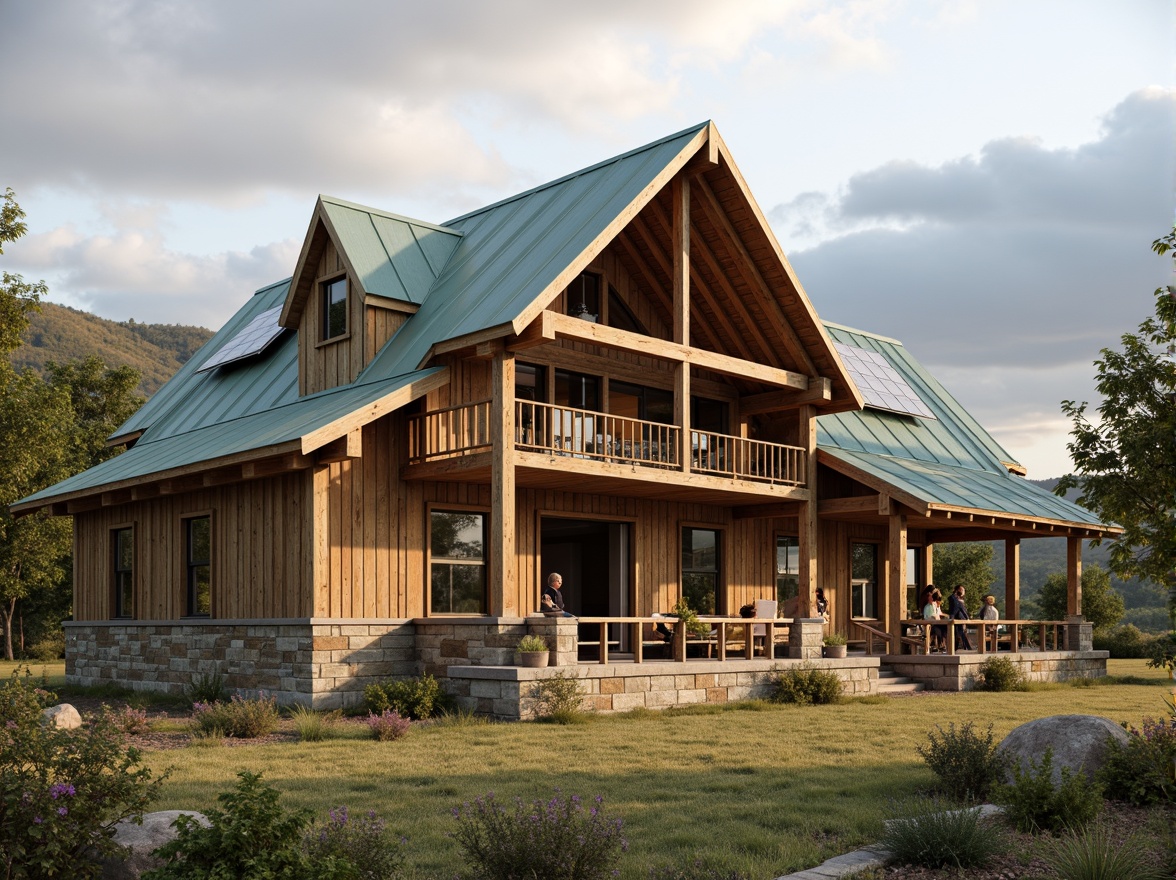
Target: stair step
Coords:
[[906, 687]]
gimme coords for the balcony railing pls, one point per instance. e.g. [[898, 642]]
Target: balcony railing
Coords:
[[567, 431]]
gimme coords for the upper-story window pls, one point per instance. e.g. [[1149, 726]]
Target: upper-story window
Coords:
[[334, 306], [584, 297]]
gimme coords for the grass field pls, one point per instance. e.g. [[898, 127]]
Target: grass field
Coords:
[[762, 789]]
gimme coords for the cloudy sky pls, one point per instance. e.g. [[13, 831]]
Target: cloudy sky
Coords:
[[980, 180]]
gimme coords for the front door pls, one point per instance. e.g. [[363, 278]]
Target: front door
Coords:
[[593, 557]]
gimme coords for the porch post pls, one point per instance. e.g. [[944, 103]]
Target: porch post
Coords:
[[807, 530], [680, 192], [1073, 577], [503, 561], [896, 577], [1012, 578]]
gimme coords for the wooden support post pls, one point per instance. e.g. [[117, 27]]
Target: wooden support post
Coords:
[[1073, 577], [320, 569], [680, 190], [896, 580], [806, 417], [1012, 578], [503, 559]]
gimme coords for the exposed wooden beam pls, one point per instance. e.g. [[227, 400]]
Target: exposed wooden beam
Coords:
[[221, 476], [766, 511], [344, 448], [855, 504], [820, 389]]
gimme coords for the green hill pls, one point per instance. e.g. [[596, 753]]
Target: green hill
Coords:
[[59, 333]]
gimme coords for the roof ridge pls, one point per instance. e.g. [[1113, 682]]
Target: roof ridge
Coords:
[[367, 209], [861, 332], [693, 129]]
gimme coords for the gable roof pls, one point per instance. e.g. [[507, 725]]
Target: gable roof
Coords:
[[949, 462]]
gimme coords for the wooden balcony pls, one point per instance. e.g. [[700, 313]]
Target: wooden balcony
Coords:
[[456, 440]]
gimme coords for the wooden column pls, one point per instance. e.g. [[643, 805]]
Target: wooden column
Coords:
[[1073, 577], [1012, 578], [927, 560], [896, 579], [320, 578], [807, 531], [680, 191], [503, 559]]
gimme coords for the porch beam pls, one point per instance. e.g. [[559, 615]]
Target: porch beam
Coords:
[[820, 389], [854, 504], [806, 418], [1073, 577], [1012, 578], [503, 561]]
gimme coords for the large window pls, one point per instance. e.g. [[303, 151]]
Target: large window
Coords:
[[584, 297], [198, 554], [122, 544], [621, 316], [577, 390], [864, 580], [700, 569], [334, 308], [787, 569], [641, 402], [457, 570]]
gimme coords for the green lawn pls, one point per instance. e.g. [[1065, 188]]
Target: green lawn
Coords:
[[761, 789]]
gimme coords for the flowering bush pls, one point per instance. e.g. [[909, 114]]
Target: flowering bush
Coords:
[[241, 717], [556, 840], [388, 725], [362, 842], [62, 791], [1142, 771], [128, 719]]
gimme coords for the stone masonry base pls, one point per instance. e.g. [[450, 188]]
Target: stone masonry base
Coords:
[[958, 672]]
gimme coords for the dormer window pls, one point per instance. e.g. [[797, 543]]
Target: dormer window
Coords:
[[334, 303]]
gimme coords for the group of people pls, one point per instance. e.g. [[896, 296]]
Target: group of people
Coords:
[[932, 605]]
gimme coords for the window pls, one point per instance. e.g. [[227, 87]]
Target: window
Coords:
[[577, 390], [700, 569], [457, 570], [584, 297], [198, 540], [334, 308], [641, 402], [123, 551], [708, 415], [914, 578], [787, 569], [864, 580]]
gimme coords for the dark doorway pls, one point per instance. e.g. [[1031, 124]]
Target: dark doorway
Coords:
[[593, 557]]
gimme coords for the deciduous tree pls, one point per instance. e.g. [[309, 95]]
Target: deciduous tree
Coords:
[[1101, 605], [969, 564], [1125, 462]]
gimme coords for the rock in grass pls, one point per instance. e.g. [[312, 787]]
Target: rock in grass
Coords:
[[142, 840], [1078, 742], [63, 716]]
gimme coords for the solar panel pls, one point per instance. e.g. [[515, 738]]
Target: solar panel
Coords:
[[880, 384], [253, 339]]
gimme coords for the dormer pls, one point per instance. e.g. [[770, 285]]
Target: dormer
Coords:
[[361, 274]]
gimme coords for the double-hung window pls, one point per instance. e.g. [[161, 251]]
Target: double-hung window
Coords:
[[198, 565], [122, 545], [457, 562]]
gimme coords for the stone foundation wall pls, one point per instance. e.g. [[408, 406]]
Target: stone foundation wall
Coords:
[[505, 692], [958, 672]]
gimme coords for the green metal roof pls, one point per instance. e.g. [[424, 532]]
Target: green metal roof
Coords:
[[949, 460]]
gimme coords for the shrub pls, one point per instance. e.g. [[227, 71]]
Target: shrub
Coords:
[[689, 618], [1127, 642], [556, 840], [388, 725], [966, 762], [1000, 674], [558, 699], [1094, 855], [361, 842], [1142, 770], [207, 687], [128, 719], [248, 836], [50, 647], [805, 684], [241, 717], [310, 725], [62, 791], [530, 643], [1032, 802], [416, 698], [925, 832]]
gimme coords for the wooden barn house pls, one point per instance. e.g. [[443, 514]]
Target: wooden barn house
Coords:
[[370, 469]]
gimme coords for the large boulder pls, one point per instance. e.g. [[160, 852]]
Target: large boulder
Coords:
[[63, 716], [1078, 742], [142, 840]]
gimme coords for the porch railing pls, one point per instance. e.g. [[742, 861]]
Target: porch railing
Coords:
[[565, 430], [739, 457], [987, 636], [727, 637], [444, 433]]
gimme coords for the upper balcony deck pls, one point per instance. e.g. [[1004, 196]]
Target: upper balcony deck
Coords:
[[569, 448]]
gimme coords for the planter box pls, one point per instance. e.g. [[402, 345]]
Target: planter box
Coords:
[[533, 659]]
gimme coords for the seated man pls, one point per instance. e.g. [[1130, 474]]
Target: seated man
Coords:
[[551, 600]]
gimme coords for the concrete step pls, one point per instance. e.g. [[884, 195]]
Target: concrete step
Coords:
[[890, 682]]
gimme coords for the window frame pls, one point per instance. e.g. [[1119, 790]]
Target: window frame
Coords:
[[717, 572], [795, 542], [484, 563], [117, 589], [325, 286], [855, 583], [191, 566]]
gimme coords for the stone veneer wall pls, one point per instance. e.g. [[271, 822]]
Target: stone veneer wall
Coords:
[[958, 672]]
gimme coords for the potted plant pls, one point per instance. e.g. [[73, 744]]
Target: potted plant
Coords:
[[533, 651], [835, 645]]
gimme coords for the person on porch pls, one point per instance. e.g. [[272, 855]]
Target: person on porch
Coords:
[[551, 600], [959, 611]]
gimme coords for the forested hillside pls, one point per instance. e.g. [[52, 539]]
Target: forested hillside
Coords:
[[59, 333]]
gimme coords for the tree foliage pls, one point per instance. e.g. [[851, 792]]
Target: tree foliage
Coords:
[[1125, 463], [1101, 605], [969, 564]]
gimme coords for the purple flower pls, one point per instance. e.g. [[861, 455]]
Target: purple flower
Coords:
[[37, 820], [62, 811], [61, 788]]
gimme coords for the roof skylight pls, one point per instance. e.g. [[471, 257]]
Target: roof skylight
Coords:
[[253, 339], [880, 384]]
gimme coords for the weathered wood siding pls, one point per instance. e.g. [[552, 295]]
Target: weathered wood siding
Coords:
[[261, 541]]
